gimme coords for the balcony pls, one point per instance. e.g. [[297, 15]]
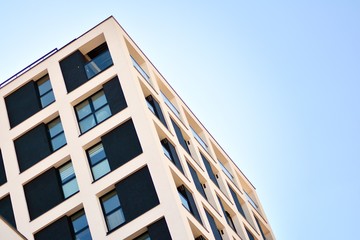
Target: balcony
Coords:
[[140, 70], [98, 64]]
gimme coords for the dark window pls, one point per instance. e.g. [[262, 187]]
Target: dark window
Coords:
[[2, 171], [92, 111], [6, 210], [80, 226], [170, 153], [50, 189], [159, 230], [251, 237], [57, 136], [132, 197], [68, 180], [45, 91], [227, 215], [121, 144], [237, 202], [260, 228], [188, 202], [209, 170], [154, 106], [113, 212], [180, 137], [213, 226], [66, 228], [98, 161], [197, 182], [23, 103]]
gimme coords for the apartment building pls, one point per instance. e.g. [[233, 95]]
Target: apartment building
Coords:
[[95, 144]]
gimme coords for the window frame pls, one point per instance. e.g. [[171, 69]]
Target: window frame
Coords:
[[62, 182], [40, 83], [105, 214], [98, 162], [76, 216], [93, 111], [51, 138]]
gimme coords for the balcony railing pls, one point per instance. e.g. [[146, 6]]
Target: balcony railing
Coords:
[[226, 171], [98, 64], [170, 105], [140, 70], [251, 201], [199, 139]]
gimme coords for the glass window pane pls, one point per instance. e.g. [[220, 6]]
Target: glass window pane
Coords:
[[166, 152], [96, 154], [83, 109], [70, 188], [58, 141], [55, 127], [103, 113], [115, 219], [144, 237], [66, 172], [87, 123], [44, 86], [99, 100], [101, 169], [184, 202], [111, 202], [47, 99], [84, 235]]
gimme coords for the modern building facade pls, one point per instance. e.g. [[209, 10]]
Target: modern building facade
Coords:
[[95, 144]]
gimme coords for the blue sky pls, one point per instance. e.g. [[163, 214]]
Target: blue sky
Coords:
[[284, 73]]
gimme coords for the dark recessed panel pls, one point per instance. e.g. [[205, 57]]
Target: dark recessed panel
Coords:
[[115, 95]]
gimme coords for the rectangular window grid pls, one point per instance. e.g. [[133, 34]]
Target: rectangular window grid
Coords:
[[92, 111]]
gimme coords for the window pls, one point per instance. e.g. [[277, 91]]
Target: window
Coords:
[[80, 226], [170, 153], [196, 180], [45, 91], [180, 137], [154, 107], [57, 136], [98, 161], [227, 215], [2, 171], [184, 201], [260, 228], [92, 111], [113, 213], [100, 60], [140, 69], [237, 202], [213, 226], [68, 180], [170, 105], [229, 220], [250, 200], [226, 171], [251, 237], [199, 139], [145, 236], [209, 170], [188, 202]]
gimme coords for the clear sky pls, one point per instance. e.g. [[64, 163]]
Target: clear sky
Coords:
[[275, 82]]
